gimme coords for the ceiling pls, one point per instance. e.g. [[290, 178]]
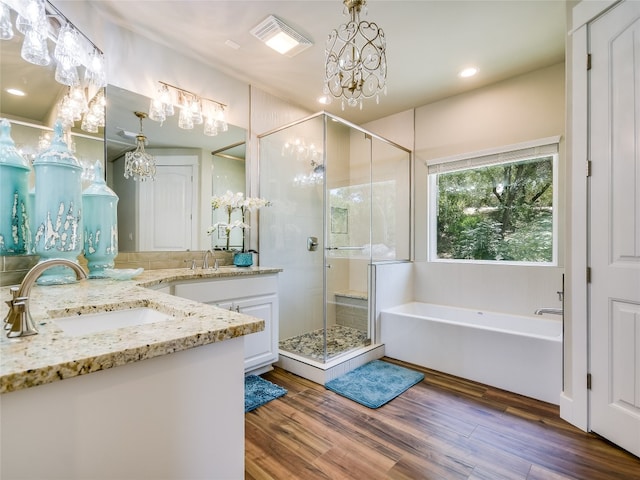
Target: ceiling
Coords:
[[428, 42]]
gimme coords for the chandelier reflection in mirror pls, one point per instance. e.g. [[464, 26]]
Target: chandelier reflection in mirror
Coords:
[[73, 54], [356, 61], [194, 110], [139, 164]]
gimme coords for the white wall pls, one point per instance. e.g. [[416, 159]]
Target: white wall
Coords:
[[527, 107]]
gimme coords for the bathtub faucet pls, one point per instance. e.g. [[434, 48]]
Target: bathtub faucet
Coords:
[[553, 311]]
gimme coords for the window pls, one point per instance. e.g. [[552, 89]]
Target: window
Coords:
[[495, 208]]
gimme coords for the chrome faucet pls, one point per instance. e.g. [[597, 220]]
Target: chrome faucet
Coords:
[[18, 321], [205, 260], [553, 311]]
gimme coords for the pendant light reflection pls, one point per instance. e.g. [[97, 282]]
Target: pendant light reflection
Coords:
[[139, 164]]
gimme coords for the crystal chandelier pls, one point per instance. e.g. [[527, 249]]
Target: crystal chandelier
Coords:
[[356, 62], [139, 164]]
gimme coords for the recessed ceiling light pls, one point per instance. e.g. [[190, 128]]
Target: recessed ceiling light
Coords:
[[280, 36], [324, 99], [468, 72], [16, 92]]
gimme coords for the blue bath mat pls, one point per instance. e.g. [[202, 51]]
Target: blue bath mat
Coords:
[[258, 391], [375, 383]]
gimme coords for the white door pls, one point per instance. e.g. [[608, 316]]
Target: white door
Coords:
[[615, 225], [166, 210]]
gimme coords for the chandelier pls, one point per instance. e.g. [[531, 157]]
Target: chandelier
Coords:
[[356, 62], [139, 164]]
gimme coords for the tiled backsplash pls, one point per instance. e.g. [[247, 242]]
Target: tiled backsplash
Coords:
[[14, 268]]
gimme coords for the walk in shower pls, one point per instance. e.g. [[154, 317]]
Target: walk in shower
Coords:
[[340, 202]]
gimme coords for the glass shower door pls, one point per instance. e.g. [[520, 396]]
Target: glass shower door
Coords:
[[291, 232], [348, 239]]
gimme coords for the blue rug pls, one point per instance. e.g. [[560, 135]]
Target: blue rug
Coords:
[[375, 383], [258, 391]]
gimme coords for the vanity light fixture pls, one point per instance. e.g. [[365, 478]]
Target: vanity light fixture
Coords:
[[139, 164], [281, 37], [40, 23], [356, 61], [194, 110]]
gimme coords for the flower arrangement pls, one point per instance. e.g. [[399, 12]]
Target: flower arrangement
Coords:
[[232, 202]]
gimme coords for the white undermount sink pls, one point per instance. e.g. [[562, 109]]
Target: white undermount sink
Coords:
[[77, 325]]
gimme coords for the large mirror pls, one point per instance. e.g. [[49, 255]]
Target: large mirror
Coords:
[[172, 212], [30, 96]]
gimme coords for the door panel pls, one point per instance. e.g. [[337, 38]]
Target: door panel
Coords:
[[166, 209], [615, 225]]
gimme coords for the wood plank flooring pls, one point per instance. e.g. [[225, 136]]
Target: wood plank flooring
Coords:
[[443, 428]]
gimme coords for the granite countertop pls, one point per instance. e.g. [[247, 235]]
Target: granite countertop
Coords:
[[53, 355]]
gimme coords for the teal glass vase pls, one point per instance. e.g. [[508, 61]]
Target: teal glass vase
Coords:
[[243, 259], [100, 219], [57, 224], [15, 233]]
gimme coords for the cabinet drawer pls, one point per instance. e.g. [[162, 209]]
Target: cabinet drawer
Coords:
[[217, 291]]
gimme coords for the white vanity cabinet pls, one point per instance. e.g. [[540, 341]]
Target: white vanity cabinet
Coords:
[[256, 296]]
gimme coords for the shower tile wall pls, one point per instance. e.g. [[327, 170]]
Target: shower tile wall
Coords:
[[351, 310]]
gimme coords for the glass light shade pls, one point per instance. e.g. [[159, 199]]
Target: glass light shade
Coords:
[[67, 49], [210, 127], [167, 100], [34, 48], [90, 122], [6, 29], [185, 120], [95, 73], [78, 101], [156, 110], [34, 18], [67, 75], [196, 111]]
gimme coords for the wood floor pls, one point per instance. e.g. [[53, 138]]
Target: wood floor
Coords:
[[442, 428]]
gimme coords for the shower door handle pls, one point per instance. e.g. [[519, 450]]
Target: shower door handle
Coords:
[[312, 244]]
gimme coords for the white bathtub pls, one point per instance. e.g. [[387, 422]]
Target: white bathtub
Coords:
[[515, 353]]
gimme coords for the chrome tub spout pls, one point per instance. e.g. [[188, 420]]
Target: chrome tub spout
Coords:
[[553, 311]]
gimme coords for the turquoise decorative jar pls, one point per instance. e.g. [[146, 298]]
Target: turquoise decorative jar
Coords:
[[15, 234], [58, 208], [100, 219], [243, 259]]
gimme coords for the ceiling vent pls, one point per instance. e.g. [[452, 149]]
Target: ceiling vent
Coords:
[[280, 36]]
